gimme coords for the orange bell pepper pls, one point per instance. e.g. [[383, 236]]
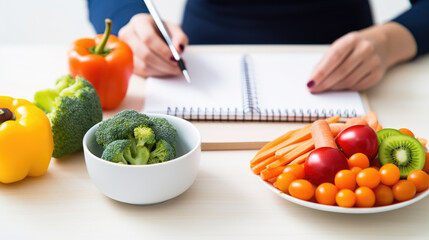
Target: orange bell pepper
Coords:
[[106, 62]]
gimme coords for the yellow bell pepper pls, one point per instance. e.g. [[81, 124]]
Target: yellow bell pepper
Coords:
[[26, 142]]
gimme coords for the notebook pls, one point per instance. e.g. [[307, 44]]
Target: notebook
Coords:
[[248, 87]]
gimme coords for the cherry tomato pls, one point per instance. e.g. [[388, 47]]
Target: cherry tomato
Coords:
[[325, 193], [358, 139], [404, 190], [383, 195], [345, 198], [356, 170], [283, 181], [323, 163], [426, 166], [389, 174], [345, 179], [420, 179], [296, 170], [368, 177], [358, 160], [365, 197], [407, 132], [301, 189]]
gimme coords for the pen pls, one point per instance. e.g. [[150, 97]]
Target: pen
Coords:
[[154, 13]]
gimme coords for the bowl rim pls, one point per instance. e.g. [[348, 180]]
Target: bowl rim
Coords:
[[86, 136]]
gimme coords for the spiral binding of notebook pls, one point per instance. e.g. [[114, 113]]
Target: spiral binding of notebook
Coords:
[[261, 97]]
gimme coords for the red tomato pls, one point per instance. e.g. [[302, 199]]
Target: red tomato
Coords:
[[358, 139], [323, 163]]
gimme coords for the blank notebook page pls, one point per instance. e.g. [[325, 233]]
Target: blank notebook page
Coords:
[[216, 83], [281, 84]]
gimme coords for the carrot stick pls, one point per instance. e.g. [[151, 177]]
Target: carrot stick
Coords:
[[371, 119], [301, 159], [278, 140], [378, 128], [423, 141], [299, 136], [271, 172], [262, 165], [272, 180], [336, 128], [322, 135], [356, 121], [281, 152], [301, 149]]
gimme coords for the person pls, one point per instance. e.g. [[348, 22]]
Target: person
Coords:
[[358, 57]]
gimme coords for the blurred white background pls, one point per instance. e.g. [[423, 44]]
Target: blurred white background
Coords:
[[62, 21]]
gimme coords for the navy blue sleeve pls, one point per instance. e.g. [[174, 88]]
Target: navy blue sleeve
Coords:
[[119, 11], [416, 20]]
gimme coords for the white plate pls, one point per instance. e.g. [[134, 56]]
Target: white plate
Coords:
[[337, 209]]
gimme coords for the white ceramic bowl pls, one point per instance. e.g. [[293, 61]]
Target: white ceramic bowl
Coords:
[[146, 184]]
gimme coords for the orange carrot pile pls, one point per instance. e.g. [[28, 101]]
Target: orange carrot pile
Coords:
[[294, 146]]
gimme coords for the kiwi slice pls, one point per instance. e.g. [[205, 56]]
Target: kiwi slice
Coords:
[[404, 151], [385, 133]]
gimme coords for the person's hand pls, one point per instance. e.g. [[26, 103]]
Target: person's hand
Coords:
[[359, 60], [152, 57], [352, 62]]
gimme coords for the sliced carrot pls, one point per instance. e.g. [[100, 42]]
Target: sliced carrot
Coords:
[[322, 135], [356, 121], [301, 149], [272, 180], [301, 159], [371, 119], [281, 152], [262, 165], [378, 128], [271, 172], [423, 141], [336, 128], [278, 140], [332, 119], [299, 136]]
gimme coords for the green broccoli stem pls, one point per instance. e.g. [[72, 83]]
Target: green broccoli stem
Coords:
[[100, 49], [6, 115], [141, 158]]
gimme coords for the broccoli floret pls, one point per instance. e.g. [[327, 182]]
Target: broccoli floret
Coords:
[[125, 151], [163, 130], [72, 107], [144, 137], [120, 126], [162, 152]]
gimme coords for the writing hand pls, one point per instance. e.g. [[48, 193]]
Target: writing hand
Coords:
[[152, 57]]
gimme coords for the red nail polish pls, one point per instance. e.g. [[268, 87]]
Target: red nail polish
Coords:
[[310, 84], [182, 47], [172, 59]]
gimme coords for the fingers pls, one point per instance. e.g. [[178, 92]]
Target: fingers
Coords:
[[361, 71], [152, 57], [178, 37], [351, 63], [362, 51], [369, 80], [335, 55]]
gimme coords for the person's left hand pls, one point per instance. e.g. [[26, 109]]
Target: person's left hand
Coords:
[[353, 62]]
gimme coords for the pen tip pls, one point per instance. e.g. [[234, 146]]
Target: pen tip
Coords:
[[186, 74]]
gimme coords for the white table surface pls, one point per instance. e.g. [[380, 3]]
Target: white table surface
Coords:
[[226, 201]]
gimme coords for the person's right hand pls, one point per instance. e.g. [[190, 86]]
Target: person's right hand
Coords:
[[152, 57]]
